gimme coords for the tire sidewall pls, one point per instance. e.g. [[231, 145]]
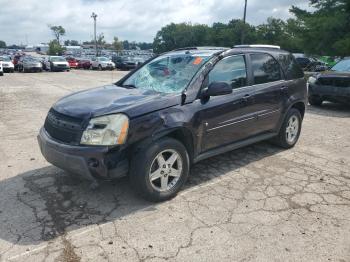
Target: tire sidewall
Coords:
[[142, 164]]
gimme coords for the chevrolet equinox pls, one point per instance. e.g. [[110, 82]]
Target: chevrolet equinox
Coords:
[[177, 109]]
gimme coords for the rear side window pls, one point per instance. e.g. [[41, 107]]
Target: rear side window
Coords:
[[265, 68], [231, 70], [290, 67]]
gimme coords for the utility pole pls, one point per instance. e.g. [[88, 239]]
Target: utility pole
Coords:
[[94, 16], [244, 19]]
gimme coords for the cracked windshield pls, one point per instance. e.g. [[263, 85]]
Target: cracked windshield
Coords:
[[167, 73]]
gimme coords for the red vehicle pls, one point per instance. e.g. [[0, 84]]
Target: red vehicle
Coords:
[[84, 64], [73, 63]]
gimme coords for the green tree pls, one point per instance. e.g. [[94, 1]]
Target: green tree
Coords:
[[2, 44], [117, 45], [57, 31], [326, 30], [55, 48], [71, 43]]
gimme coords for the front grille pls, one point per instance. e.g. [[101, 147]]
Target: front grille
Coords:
[[334, 81], [64, 128]]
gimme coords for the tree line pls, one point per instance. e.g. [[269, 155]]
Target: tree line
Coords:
[[323, 31]]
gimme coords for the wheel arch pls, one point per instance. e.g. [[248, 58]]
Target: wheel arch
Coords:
[[181, 134], [299, 106]]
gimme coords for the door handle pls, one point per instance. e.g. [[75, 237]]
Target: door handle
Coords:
[[284, 89], [246, 97]]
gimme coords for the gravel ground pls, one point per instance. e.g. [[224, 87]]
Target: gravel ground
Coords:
[[259, 203]]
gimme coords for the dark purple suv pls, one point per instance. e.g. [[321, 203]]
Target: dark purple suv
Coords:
[[177, 109]]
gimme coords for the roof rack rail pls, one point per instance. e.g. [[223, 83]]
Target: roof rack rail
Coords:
[[258, 46], [201, 48]]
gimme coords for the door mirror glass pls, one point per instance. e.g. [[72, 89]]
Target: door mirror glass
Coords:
[[218, 89]]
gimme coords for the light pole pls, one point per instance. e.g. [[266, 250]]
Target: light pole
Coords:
[[94, 16], [244, 18]]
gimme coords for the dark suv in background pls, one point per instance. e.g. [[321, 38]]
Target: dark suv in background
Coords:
[[175, 110]]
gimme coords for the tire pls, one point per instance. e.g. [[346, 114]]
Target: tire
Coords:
[[1, 73], [100, 67], [288, 135], [146, 161], [315, 101]]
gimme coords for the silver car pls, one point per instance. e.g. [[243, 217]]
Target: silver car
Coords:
[[29, 64], [102, 63]]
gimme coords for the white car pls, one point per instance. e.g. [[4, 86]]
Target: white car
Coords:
[[56, 63], [7, 64], [102, 63], [1, 70]]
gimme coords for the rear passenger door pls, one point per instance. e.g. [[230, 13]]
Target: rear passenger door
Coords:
[[269, 93]]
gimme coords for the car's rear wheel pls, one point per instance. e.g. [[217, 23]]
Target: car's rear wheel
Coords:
[[160, 169], [290, 130], [315, 101]]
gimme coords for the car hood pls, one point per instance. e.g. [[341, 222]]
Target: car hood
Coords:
[[332, 74], [112, 99]]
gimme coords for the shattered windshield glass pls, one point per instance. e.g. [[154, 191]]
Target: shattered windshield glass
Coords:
[[169, 73]]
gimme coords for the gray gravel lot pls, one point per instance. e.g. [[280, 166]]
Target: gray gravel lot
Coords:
[[259, 203]]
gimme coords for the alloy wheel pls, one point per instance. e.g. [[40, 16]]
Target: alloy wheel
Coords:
[[166, 170], [292, 129]]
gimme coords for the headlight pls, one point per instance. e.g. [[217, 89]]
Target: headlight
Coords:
[[106, 130], [312, 80]]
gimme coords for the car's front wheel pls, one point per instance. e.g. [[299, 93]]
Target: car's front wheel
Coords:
[[290, 130], [159, 170]]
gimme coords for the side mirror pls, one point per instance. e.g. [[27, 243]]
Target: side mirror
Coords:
[[218, 89]]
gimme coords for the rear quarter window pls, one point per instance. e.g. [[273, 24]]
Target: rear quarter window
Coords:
[[290, 67]]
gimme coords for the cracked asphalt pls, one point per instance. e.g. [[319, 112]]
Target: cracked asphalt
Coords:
[[258, 203]]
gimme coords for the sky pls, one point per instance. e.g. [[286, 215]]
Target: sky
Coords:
[[26, 21]]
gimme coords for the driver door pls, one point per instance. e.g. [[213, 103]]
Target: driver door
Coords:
[[228, 118]]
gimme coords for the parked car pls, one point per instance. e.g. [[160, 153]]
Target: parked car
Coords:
[[311, 64], [1, 69], [102, 63], [179, 108], [332, 85], [29, 64], [84, 63], [56, 63], [125, 62], [73, 63], [7, 64]]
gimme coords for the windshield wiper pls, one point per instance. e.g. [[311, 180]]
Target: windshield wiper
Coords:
[[129, 86]]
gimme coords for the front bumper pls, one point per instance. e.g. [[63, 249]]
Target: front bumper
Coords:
[[60, 68], [8, 69], [332, 93], [33, 68], [90, 162], [105, 66]]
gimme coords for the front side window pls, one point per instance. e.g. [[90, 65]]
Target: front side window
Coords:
[[169, 73], [265, 68], [231, 70]]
